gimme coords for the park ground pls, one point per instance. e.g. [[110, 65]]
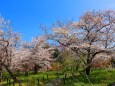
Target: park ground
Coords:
[[98, 77]]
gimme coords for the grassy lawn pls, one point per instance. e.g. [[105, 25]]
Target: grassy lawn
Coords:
[[98, 77]]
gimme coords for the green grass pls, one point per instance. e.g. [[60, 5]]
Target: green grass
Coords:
[[98, 77]]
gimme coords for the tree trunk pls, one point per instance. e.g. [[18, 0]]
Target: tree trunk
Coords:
[[26, 73], [11, 74], [88, 70], [0, 73], [89, 59], [35, 69]]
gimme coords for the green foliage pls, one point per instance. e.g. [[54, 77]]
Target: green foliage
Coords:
[[56, 53]]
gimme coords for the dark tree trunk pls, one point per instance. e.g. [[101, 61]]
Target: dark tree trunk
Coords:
[[11, 74], [89, 59], [26, 73], [113, 64], [0, 73], [25, 70], [88, 70], [35, 69]]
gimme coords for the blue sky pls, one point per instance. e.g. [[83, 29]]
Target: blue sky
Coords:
[[26, 15]]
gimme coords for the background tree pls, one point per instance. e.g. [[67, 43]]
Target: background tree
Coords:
[[36, 53]]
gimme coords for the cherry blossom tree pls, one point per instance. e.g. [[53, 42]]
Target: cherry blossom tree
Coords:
[[93, 34], [8, 43], [15, 54], [41, 55], [33, 53]]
